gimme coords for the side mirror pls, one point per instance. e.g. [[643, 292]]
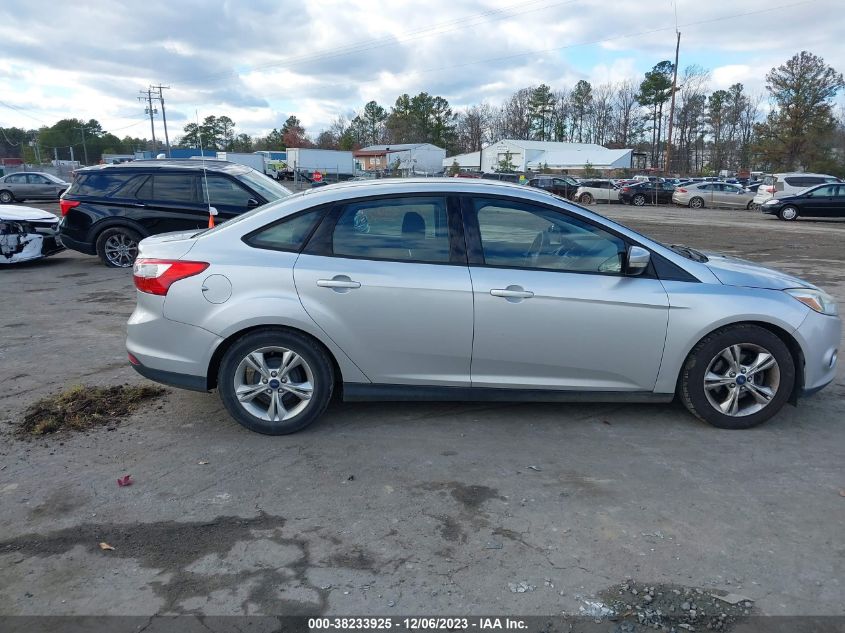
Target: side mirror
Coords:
[[251, 203], [638, 259]]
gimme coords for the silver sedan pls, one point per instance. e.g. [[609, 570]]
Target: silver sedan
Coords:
[[458, 289], [713, 195], [31, 185]]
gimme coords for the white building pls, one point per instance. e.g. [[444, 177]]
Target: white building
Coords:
[[534, 155], [412, 157]]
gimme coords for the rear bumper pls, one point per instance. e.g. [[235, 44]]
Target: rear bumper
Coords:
[[77, 245], [168, 351]]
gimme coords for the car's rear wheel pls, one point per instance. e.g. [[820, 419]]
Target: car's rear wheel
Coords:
[[6, 197], [750, 206], [586, 198], [275, 381], [788, 214], [638, 200], [737, 377], [118, 247], [696, 203]]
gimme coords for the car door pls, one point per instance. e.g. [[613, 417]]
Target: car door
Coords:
[[821, 201], [39, 187], [665, 192], [228, 196], [18, 185], [386, 278], [553, 307], [168, 202]]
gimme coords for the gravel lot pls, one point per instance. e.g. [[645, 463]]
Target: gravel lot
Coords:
[[408, 508]]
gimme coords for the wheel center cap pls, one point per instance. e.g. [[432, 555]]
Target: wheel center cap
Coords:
[[741, 379], [275, 384]]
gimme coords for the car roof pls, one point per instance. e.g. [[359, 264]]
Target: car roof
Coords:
[[172, 164]]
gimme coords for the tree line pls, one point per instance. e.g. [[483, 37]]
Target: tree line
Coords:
[[712, 130]]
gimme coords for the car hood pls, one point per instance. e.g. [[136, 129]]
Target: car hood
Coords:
[[733, 271], [18, 213]]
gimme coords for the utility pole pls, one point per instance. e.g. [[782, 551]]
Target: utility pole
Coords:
[[84, 146], [163, 114], [151, 111], [668, 165]]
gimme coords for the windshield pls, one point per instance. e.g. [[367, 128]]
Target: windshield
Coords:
[[267, 187]]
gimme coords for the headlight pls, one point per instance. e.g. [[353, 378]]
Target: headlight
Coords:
[[815, 299], [770, 202]]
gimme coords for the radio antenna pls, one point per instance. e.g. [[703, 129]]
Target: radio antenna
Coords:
[[211, 210]]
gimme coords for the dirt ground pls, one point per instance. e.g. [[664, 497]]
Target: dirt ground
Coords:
[[408, 508]]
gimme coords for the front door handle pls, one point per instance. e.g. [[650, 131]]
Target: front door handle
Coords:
[[339, 282], [512, 292]]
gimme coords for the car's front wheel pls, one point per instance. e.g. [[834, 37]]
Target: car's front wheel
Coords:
[[737, 377], [638, 200], [275, 381], [118, 247], [788, 214]]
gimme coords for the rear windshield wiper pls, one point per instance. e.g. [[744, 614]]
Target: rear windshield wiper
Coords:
[[689, 253]]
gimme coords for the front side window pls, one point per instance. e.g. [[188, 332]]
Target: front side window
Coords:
[[401, 229], [524, 236], [37, 179], [823, 192], [220, 190]]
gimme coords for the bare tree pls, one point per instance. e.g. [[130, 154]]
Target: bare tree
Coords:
[[474, 127]]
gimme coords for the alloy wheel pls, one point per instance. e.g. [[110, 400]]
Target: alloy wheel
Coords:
[[639, 200], [120, 250], [274, 383], [741, 380], [6, 197]]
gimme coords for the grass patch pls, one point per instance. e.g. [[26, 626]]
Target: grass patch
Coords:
[[84, 407]]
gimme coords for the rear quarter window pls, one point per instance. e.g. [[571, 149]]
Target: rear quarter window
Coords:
[[98, 184], [288, 234]]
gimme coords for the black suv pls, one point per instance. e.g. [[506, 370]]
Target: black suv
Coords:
[[563, 186], [110, 208]]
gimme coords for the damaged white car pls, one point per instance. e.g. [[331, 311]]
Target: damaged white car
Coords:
[[27, 234]]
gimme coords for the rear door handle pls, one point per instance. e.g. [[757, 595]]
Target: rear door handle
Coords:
[[512, 292], [339, 281]]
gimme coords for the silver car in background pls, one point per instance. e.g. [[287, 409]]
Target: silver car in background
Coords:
[[31, 185], [465, 289], [713, 195]]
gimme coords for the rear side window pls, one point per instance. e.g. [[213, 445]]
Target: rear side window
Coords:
[[168, 188], [399, 229], [288, 234], [103, 183]]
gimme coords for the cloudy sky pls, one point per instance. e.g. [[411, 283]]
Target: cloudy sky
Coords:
[[259, 61]]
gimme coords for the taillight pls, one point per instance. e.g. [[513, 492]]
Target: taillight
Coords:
[[626, 189], [681, 190], [769, 189], [67, 205], [155, 276]]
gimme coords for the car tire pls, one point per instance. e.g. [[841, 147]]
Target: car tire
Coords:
[[638, 200], [586, 198], [750, 206], [117, 247], [260, 412], [696, 203], [6, 197], [788, 213], [706, 363]]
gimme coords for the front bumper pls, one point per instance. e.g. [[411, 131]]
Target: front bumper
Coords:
[[819, 336]]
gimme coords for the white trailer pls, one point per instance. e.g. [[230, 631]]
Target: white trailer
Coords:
[[332, 164], [256, 161]]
